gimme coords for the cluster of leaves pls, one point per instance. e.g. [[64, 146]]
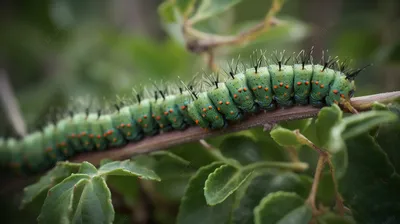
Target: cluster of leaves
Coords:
[[254, 176]]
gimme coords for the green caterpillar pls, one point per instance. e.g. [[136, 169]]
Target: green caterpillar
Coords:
[[259, 88]]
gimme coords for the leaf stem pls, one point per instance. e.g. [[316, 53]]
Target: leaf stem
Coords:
[[296, 166]]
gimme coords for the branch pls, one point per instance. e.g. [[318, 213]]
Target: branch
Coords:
[[165, 140]]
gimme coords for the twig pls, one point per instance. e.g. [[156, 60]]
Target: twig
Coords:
[[339, 200], [11, 106], [204, 42], [192, 134], [314, 189]]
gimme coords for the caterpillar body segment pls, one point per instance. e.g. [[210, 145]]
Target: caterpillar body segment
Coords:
[[206, 108], [82, 129], [127, 126], [160, 114], [61, 137], [142, 114], [70, 129], [320, 82], [241, 94], [34, 154], [341, 89], [223, 101], [174, 115], [111, 134], [282, 84], [259, 80], [197, 116], [96, 132], [14, 148], [182, 101], [49, 140], [302, 81]]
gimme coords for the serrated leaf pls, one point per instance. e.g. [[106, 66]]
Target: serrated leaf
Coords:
[[241, 148], [127, 168], [194, 209], [52, 177], [328, 117], [283, 208], [94, 203], [285, 137], [355, 125], [223, 182], [57, 207], [209, 8], [265, 184], [87, 168], [370, 185]]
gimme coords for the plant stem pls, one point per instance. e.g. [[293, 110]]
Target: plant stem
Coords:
[[165, 140], [205, 41], [314, 189], [296, 166], [339, 199]]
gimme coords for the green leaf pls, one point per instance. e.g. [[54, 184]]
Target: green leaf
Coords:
[[209, 8], [95, 203], [223, 182], [283, 208], [265, 184], [169, 156], [331, 218], [355, 125], [166, 11], [52, 177], [57, 207], [127, 186], [285, 137], [127, 168], [301, 124], [241, 148], [370, 185], [185, 6], [328, 117], [194, 209], [87, 168], [175, 173]]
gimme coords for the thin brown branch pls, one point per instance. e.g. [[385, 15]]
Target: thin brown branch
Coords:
[[339, 200], [314, 188], [193, 134], [10, 104], [205, 42]]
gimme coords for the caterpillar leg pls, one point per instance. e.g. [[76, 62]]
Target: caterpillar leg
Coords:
[[347, 105], [269, 126]]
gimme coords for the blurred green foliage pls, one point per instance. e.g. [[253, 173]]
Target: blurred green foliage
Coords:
[[57, 49]]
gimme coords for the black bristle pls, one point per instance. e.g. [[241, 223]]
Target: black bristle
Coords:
[[351, 75], [138, 98]]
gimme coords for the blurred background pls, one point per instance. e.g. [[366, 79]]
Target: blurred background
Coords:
[[53, 50]]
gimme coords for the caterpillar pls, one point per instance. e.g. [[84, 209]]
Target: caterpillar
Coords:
[[209, 103]]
